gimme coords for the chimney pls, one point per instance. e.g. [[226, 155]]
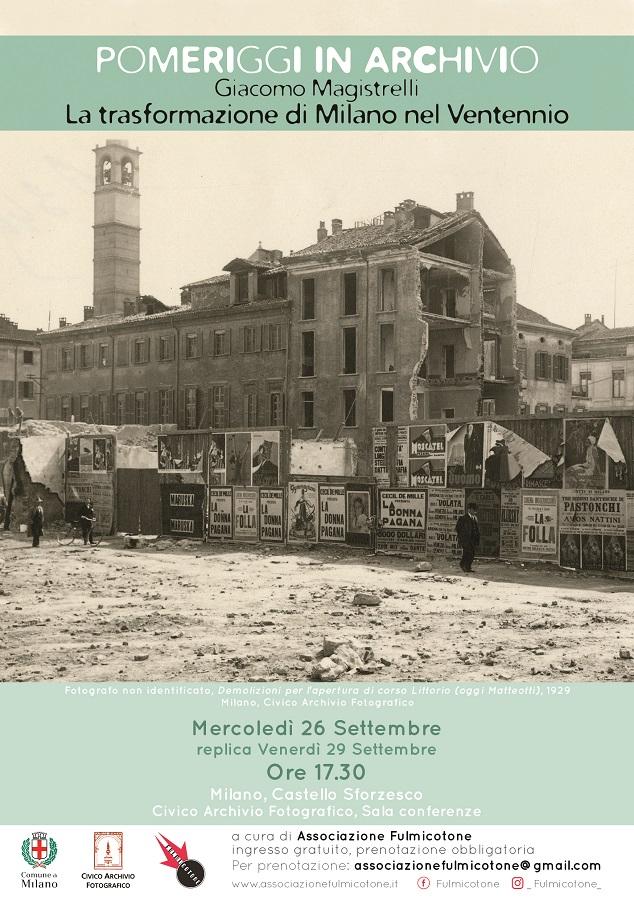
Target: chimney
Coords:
[[322, 232], [388, 217], [337, 225], [276, 256], [588, 318], [464, 201], [62, 321], [89, 313], [602, 319], [400, 214]]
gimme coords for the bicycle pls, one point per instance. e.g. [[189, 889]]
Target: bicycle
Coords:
[[71, 531]]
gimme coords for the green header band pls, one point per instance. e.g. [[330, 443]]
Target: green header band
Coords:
[[505, 754], [288, 83]]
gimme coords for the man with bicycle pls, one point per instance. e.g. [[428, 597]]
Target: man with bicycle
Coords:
[[87, 519]]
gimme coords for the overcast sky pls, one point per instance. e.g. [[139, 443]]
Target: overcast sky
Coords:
[[560, 204]]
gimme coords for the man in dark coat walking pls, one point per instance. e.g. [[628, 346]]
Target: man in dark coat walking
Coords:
[[37, 522], [87, 521], [468, 532]]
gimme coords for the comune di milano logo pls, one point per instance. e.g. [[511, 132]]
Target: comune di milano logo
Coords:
[[39, 851], [189, 872]]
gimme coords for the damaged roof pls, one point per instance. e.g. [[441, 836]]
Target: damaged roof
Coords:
[[530, 317]]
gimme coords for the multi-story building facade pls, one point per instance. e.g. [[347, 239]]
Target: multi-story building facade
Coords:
[[544, 359], [19, 371], [602, 367]]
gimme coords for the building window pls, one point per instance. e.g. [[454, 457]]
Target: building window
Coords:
[[542, 366], [106, 171], [618, 384], [166, 406], [121, 409], [85, 356], [542, 409], [349, 351], [242, 287], [191, 346], [386, 347], [449, 299], [522, 360], [218, 406], [104, 409], [51, 404], [250, 339], [449, 413], [166, 347], [67, 406], [51, 359], [220, 343], [308, 354], [584, 383], [561, 368], [103, 355], [448, 361], [276, 408], [191, 407], [140, 351], [387, 289], [122, 352], [67, 359], [275, 337], [350, 294], [308, 298], [84, 408], [140, 408], [126, 173], [250, 406], [491, 353], [308, 409], [27, 357], [349, 407], [26, 390], [386, 405]]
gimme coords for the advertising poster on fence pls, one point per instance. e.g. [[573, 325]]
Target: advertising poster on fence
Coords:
[[302, 511], [401, 521], [379, 455], [265, 462], [629, 535], [465, 455], [592, 528], [182, 452], [332, 512], [402, 455], [488, 503], [220, 522], [272, 515], [182, 508], [245, 514], [510, 509], [539, 525], [358, 515], [216, 459], [238, 458], [585, 463], [444, 506], [427, 459]]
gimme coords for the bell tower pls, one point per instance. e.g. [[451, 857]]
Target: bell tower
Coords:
[[117, 229]]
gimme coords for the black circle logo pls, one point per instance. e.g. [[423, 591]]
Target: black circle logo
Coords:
[[190, 873]]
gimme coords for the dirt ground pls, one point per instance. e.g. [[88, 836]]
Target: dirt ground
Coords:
[[206, 613]]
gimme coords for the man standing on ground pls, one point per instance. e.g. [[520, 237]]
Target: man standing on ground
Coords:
[[468, 532], [37, 522], [87, 520]]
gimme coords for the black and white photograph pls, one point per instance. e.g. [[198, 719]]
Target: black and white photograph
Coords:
[[235, 348]]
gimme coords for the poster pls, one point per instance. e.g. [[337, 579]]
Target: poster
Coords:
[[539, 524], [401, 521], [332, 512], [185, 452], [629, 535], [510, 525], [220, 518], [83, 487], [87, 454], [465, 455], [444, 507], [379, 455], [295, 719], [585, 463], [272, 515], [593, 528], [265, 461], [238, 461], [427, 455], [488, 504], [302, 511], [245, 514]]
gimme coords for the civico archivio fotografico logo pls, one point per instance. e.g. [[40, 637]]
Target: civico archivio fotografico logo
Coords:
[[189, 872]]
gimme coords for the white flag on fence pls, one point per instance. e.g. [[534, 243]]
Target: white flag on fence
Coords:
[[609, 442]]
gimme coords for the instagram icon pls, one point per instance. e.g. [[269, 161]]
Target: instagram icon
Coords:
[[517, 883]]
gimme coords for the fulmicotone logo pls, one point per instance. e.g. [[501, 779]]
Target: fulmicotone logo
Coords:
[[189, 872]]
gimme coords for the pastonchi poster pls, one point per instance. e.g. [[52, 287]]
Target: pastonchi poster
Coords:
[[295, 298]]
